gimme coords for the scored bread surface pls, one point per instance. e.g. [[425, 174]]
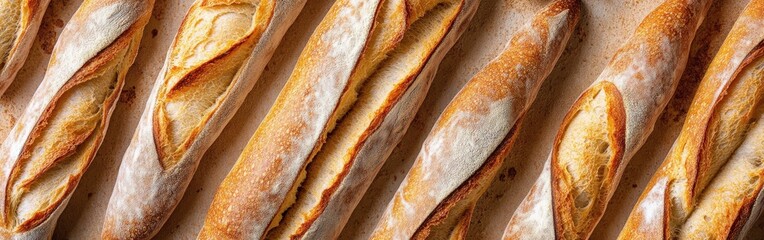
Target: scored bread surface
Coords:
[[340, 148], [216, 58], [356, 87], [607, 125], [54, 141], [727, 204], [471, 138], [10, 14], [709, 182], [209, 50], [20, 20]]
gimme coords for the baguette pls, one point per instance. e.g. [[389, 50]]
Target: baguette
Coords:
[[216, 58], [356, 87], [686, 193], [606, 125], [472, 137], [731, 203], [48, 150], [20, 20]]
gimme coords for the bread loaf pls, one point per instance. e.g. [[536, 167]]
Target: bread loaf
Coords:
[[722, 134], [20, 20], [56, 138], [606, 125], [216, 58], [354, 91], [731, 203], [472, 137]]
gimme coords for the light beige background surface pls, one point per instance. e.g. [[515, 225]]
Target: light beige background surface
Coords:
[[604, 25]]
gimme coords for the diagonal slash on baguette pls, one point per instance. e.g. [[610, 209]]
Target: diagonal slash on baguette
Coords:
[[353, 93], [51, 146], [216, 58], [472, 137], [20, 20], [709, 182], [607, 125]]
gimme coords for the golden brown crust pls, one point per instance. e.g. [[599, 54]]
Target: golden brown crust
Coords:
[[708, 137], [86, 73], [565, 206], [393, 98], [29, 14], [327, 195], [219, 53], [356, 87], [44, 161], [729, 204], [449, 174], [701, 139], [314, 51], [182, 80], [470, 190], [743, 215], [587, 160], [461, 227]]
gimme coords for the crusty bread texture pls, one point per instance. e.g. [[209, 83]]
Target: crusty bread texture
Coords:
[[20, 20], [606, 125], [709, 182], [472, 137], [54, 141], [354, 91], [216, 58]]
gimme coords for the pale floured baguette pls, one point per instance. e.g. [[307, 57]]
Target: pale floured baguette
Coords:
[[50, 147], [718, 121], [356, 87], [472, 137], [20, 20], [217, 56], [606, 125]]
